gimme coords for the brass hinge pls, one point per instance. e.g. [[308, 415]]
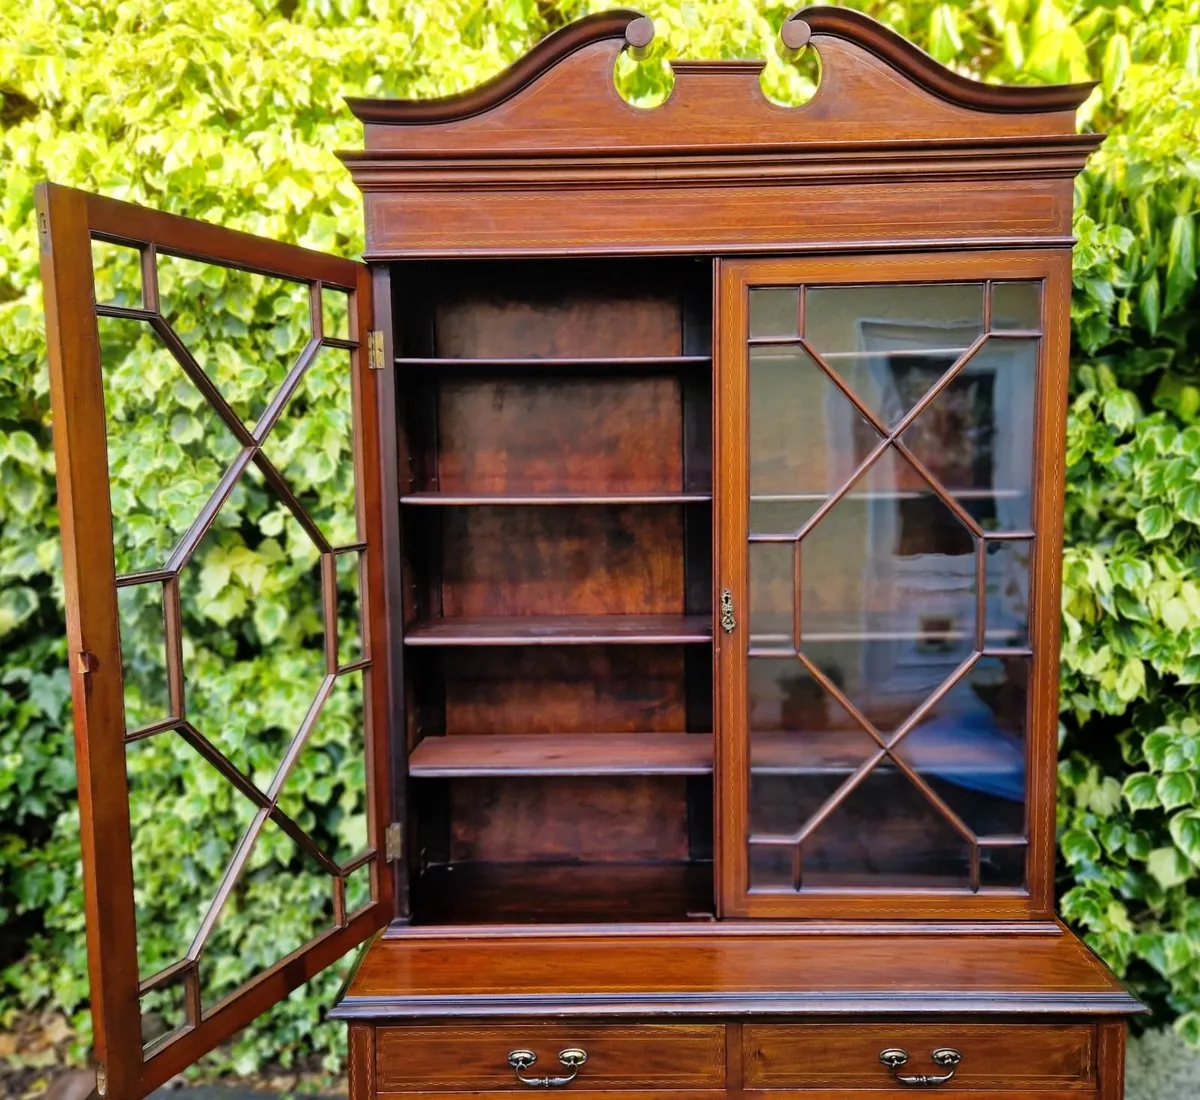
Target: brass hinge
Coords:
[[101, 1080], [375, 349], [393, 841], [43, 230]]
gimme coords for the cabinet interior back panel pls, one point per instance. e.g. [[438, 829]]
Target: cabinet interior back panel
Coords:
[[569, 689], [562, 560], [578, 434]]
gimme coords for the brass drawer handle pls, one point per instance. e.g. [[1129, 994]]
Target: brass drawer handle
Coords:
[[894, 1058], [572, 1058]]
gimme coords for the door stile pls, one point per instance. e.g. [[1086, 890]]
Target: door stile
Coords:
[[1046, 580], [93, 641], [731, 499], [374, 457]]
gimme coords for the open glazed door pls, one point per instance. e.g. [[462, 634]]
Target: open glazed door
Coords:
[[215, 425]]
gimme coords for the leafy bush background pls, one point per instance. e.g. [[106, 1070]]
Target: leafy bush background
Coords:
[[230, 111]]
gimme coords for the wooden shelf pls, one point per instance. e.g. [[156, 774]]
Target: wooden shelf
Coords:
[[563, 630], [771, 753], [567, 754], [614, 362], [449, 500], [548, 893]]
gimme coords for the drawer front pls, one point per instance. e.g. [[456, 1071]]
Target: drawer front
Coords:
[[999, 1057], [470, 1059]]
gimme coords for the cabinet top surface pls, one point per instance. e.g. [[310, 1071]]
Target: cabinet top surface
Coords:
[[730, 973]]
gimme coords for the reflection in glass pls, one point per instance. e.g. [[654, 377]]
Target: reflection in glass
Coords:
[[1017, 306], [807, 437], [976, 436], [888, 602], [887, 592], [971, 745], [1007, 573], [868, 335], [774, 312], [772, 592]]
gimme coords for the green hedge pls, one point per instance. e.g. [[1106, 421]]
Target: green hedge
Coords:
[[230, 111]]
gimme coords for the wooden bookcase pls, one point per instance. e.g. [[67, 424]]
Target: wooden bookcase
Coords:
[[700, 577]]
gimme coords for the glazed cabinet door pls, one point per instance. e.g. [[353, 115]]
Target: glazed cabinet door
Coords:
[[889, 498], [218, 453]]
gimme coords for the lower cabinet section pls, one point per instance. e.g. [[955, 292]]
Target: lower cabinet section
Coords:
[[1037, 1058], [769, 1060]]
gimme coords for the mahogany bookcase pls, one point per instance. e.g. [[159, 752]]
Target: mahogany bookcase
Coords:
[[704, 545]]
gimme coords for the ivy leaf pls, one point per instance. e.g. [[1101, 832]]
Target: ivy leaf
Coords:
[[1079, 846], [1141, 791], [1154, 522], [1176, 789], [1185, 831], [1168, 866]]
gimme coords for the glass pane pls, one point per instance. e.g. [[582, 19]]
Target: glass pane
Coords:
[[774, 312], [167, 448], [253, 631], [887, 591], [885, 833], [1017, 306], [117, 274], [312, 446], [771, 594], [806, 436], [864, 332], [186, 821], [976, 436], [143, 655], [349, 602], [1007, 613], [326, 790], [282, 900], [335, 314], [971, 747], [244, 330], [164, 1011]]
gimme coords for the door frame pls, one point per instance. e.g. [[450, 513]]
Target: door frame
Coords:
[[731, 512], [68, 221]]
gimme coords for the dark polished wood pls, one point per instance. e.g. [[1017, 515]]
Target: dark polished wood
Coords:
[[727, 973], [562, 630], [594, 819], [564, 893], [619, 1057], [995, 1057], [70, 221], [563, 754]]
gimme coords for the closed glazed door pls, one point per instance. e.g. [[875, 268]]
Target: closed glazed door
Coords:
[[890, 464]]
